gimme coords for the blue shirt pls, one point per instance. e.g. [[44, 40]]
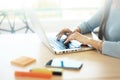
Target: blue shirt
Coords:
[[111, 45]]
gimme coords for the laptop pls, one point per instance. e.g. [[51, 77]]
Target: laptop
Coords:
[[51, 42]]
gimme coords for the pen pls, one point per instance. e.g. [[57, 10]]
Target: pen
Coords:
[[33, 74], [62, 64]]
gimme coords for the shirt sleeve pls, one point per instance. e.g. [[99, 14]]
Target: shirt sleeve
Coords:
[[111, 48], [92, 23]]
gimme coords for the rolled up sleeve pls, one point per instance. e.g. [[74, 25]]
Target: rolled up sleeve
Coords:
[[111, 48]]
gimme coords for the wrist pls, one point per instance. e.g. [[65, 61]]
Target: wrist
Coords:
[[95, 43]]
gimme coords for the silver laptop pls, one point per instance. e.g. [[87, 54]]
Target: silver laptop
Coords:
[[51, 42]]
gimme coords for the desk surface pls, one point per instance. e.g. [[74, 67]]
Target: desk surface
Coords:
[[96, 66]]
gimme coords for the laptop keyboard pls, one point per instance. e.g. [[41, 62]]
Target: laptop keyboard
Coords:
[[58, 44]]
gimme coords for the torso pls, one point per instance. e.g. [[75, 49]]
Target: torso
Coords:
[[112, 31]]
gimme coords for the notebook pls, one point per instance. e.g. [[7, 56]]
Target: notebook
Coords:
[[51, 42]]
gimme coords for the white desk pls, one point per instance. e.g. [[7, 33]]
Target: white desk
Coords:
[[96, 66]]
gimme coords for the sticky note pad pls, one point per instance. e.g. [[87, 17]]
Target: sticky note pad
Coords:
[[23, 61]]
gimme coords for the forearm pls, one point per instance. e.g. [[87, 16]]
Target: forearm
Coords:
[[94, 43], [97, 44]]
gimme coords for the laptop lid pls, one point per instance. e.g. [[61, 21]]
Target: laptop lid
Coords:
[[37, 27]]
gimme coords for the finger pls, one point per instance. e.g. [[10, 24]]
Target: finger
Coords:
[[68, 34], [65, 31], [61, 33], [67, 41], [59, 36]]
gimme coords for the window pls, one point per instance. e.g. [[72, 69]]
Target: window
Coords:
[[55, 9]]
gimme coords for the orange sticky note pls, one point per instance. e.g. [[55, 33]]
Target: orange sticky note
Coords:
[[23, 61]]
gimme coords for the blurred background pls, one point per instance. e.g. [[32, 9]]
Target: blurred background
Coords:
[[12, 18]]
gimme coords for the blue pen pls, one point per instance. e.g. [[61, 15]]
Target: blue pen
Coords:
[[62, 64]]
